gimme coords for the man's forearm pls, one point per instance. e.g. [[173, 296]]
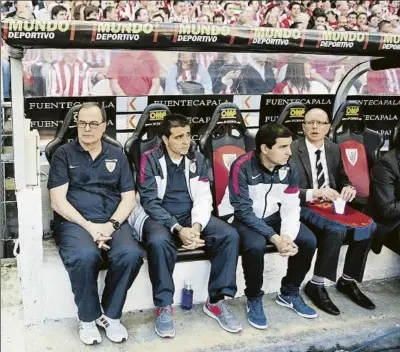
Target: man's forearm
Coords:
[[68, 212], [124, 209]]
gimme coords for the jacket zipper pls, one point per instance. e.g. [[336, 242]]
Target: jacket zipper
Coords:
[[266, 196]]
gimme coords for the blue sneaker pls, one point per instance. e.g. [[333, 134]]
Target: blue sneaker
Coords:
[[255, 313], [297, 304]]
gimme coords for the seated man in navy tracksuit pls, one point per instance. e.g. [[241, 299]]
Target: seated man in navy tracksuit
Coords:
[[92, 192], [263, 195], [176, 206]]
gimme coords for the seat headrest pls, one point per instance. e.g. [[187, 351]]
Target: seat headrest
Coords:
[[226, 117], [67, 131], [151, 119], [292, 117], [349, 116]]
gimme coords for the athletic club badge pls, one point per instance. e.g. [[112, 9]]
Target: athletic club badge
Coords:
[[111, 164], [192, 167], [283, 171], [352, 156]]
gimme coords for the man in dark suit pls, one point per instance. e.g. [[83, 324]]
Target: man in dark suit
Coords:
[[323, 178], [384, 200]]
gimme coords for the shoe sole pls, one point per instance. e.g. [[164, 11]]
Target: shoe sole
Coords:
[[116, 341], [164, 336], [254, 325], [95, 342], [301, 314], [206, 311]]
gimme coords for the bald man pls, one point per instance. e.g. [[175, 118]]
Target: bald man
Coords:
[[323, 179]]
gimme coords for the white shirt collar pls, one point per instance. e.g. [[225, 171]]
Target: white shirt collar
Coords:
[[312, 149]]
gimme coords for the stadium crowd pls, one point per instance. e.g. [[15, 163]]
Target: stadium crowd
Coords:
[[54, 72]]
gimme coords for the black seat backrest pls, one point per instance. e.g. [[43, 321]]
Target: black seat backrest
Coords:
[[67, 132], [396, 132], [359, 145], [147, 134], [225, 139], [292, 117]]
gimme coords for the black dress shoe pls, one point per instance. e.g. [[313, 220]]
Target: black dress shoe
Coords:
[[319, 296], [350, 289]]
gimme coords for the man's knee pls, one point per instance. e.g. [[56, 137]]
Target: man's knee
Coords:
[[230, 235], [131, 255], [159, 241], [306, 238], [87, 256], [254, 246]]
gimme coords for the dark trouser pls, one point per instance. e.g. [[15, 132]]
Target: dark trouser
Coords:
[[222, 246], [252, 248], [83, 260], [329, 242], [392, 240]]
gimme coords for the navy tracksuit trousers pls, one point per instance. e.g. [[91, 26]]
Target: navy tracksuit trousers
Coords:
[[222, 247], [252, 249], [83, 260]]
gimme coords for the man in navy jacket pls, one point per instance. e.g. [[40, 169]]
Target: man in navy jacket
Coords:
[[176, 206], [263, 195]]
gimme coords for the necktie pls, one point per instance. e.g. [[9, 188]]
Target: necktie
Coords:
[[320, 170]]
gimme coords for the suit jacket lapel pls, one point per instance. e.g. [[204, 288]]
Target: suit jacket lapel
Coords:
[[305, 159], [330, 162]]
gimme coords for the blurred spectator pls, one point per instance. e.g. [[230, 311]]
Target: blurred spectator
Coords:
[[373, 23], [59, 13], [289, 19], [321, 20], [297, 82], [229, 12], [141, 15], [157, 19], [394, 22], [91, 13], [225, 72], [110, 14], [362, 22], [377, 11], [257, 77], [134, 73], [188, 77], [332, 19], [23, 10], [203, 19], [70, 77], [218, 18], [385, 27], [383, 82], [78, 13], [178, 12]]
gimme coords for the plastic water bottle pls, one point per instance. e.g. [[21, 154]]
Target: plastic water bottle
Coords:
[[187, 297]]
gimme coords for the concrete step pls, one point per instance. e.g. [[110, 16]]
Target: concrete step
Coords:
[[286, 332], [58, 299]]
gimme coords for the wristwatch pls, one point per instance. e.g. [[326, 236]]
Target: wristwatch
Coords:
[[115, 223], [178, 228]]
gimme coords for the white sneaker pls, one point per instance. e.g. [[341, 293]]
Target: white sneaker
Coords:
[[88, 333], [115, 331]]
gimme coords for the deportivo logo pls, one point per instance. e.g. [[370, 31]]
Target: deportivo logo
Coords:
[[111, 164], [352, 156], [228, 160]]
